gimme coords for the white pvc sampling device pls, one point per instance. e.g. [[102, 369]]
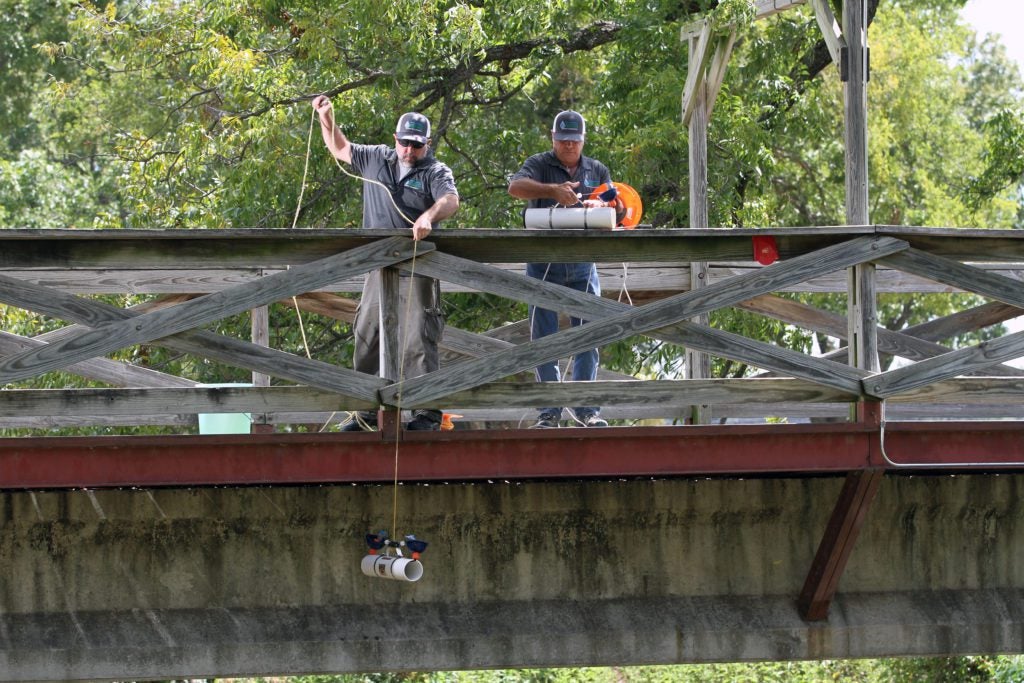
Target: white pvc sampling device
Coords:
[[591, 218], [392, 567]]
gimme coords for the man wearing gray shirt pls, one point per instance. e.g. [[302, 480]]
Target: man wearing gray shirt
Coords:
[[416, 192], [563, 176]]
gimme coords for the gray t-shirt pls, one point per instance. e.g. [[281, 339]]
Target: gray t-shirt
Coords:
[[546, 168], [417, 191]]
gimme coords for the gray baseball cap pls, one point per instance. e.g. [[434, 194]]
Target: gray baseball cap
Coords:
[[569, 125], [413, 126]]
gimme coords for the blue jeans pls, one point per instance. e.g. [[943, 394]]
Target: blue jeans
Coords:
[[583, 278]]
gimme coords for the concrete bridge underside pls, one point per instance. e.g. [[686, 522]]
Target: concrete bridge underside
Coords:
[[135, 584]]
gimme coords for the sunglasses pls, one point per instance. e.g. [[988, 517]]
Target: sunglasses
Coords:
[[411, 143]]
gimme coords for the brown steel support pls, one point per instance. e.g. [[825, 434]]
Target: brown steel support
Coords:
[[843, 528]]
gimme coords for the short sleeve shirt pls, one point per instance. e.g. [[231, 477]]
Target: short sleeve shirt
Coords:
[[428, 181], [546, 168]]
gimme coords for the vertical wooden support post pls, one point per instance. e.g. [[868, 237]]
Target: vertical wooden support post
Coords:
[[260, 324], [698, 363], [861, 303], [860, 487], [390, 351]]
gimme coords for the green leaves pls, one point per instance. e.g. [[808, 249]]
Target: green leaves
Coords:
[[173, 115]]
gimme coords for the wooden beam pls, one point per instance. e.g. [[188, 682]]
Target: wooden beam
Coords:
[[902, 344], [719, 65], [700, 52], [639, 321], [855, 112], [963, 276], [762, 9], [209, 345], [592, 308], [635, 393], [766, 8], [101, 250], [830, 30], [946, 366], [115, 373], [991, 313], [654, 276], [194, 313]]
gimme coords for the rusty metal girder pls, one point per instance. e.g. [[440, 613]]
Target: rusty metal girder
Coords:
[[76, 462]]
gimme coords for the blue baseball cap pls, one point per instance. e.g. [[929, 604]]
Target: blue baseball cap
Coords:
[[569, 125]]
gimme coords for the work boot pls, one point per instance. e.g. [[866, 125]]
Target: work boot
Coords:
[[425, 421], [546, 421], [361, 422]]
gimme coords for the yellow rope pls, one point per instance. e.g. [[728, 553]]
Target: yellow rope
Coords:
[[403, 343]]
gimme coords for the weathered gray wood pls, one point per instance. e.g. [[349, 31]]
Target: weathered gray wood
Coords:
[[960, 275], [159, 402], [694, 90], [698, 363], [758, 354], [695, 113], [270, 248], [116, 373], [650, 317], [52, 422], [887, 280], [592, 308], [391, 349], [855, 111], [716, 72], [260, 325], [829, 29], [946, 366], [655, 276], [208, 345], [766, 8], [84, 407], [862, 312], [902, 344], [976, 318], [170, 401], [675, 394], [725, 413], [197, 312], [967, 391], [762, 9]]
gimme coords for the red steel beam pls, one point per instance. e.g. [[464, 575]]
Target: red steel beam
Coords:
[[74, 462], [836, 545]]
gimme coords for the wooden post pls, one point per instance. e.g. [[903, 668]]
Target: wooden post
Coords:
[[698, 363], [390, 350], [861, 306], [260, 323]]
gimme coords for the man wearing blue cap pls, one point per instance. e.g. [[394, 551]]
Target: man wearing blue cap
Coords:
[[561, 177], [412, 190]]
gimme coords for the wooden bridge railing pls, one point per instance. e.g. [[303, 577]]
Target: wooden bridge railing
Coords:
[[48, 272]]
